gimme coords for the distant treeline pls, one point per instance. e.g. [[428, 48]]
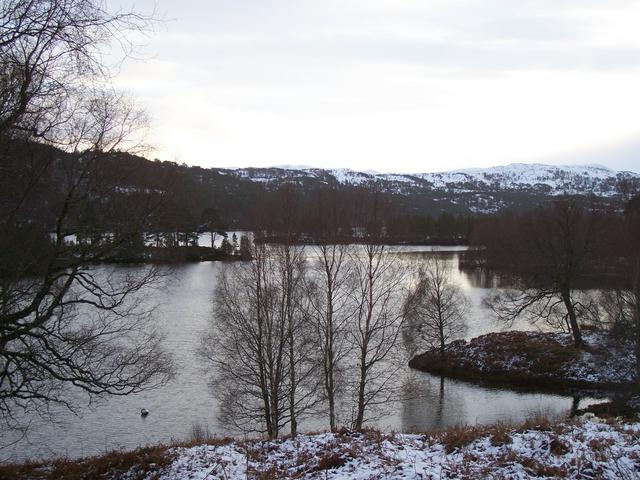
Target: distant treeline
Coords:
[[125, 194], [144, 206]]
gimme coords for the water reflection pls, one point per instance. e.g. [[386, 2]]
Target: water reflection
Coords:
[[430, 403], [440, 402], [184, 309]]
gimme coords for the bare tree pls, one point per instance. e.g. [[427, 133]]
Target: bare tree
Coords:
[[291, 271], [620, 303], [329, 308], [377, 297], [435, 308], [51, 53], [257, 336], [549, 251], [246, 349], [327, 288], [62, 321]]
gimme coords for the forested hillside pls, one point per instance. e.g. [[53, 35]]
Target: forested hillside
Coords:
[[189, 199]]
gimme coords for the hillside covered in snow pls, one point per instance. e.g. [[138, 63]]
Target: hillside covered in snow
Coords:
[[515, 177]]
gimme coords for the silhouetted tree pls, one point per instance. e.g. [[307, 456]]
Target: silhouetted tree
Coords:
[[327, 289], [621, 302], [257, 336], [632, 299], [377, 297], [435, 308], [226, 246], [211, 222], [64, 323], [549, 251], [330, 312], [245, 248]]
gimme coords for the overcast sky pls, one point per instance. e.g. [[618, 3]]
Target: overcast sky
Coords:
[[392, 85]]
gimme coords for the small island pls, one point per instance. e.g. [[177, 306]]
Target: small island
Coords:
[[537, 360]]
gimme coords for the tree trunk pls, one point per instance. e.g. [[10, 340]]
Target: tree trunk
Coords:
[[365, 347], [440, 409], [361, 391], [329, 387], [292, 397], [329, 353], [261, 360], [332, 408], [573, 321], [292, 364], [636, 324], [441, 330]]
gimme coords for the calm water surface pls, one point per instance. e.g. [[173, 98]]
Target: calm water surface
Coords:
[[185, 307]]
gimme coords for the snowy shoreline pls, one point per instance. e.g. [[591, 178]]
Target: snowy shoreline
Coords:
[[588, 448]]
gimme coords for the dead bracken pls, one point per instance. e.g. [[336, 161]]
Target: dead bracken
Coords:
[[580, 449]]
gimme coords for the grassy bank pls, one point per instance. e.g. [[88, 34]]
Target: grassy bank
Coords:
[[537, 448]]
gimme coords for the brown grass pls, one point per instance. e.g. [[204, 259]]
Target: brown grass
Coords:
[[558, 447], [539, 469], [460, 436], [138, 464], [331, 460], [538, 423], [500, 437], [345, 446]]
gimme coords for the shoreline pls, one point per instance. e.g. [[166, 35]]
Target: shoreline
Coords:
[[535, 361], [537, 447], [198, 254]]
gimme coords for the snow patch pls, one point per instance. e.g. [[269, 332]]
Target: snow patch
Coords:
[[588, 449]]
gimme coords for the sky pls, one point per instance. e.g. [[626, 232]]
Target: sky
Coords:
[[391, 85]]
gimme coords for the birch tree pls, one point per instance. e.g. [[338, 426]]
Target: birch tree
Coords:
[[377, 296], [435, 308], [329, 310], [258, 342]]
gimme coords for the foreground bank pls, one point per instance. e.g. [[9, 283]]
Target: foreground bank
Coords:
[[581, 449]]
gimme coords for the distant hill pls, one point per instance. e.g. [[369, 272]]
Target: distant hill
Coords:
[[195, 198], [474, 190]]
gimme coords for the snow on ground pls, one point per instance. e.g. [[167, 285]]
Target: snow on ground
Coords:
[[610, 360], [570, 178], [557, 180], [585, 449], [344, 175], [542, 356]]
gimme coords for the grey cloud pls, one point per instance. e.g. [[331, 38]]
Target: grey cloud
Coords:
[[291, 52]]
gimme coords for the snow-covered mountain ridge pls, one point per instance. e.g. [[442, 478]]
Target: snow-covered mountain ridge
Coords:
[[545, 179]]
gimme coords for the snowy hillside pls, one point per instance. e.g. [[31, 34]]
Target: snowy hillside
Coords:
[[545, 179], [574, 179]]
